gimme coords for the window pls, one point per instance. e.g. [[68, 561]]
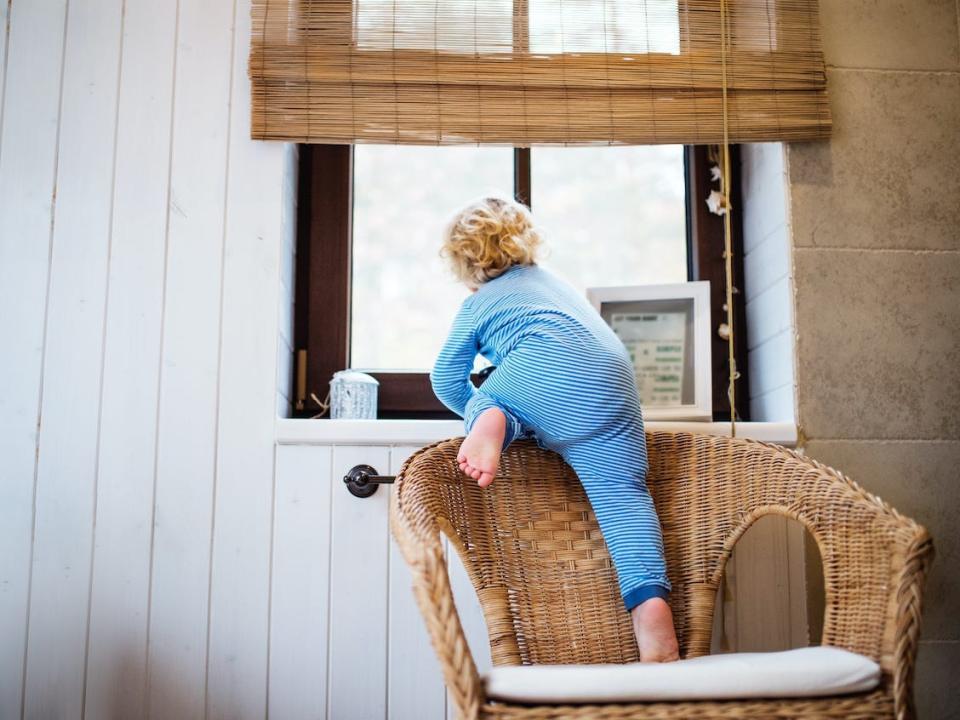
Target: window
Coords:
[[419, 25], [401, 291], [612, 215], [495, 26], [373, 293], [620, 26]]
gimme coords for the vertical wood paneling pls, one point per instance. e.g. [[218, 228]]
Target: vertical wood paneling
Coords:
[[763, 586], [415, 683], [4, 31], [358, 602], [28, 144], [99, 571], [116, 659], [796, 562], [70, 403], [300, 584], [237, 679], [187, 433]]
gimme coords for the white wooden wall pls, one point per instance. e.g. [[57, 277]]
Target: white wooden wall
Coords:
[[160, 557], [347, 639], [141, 236]]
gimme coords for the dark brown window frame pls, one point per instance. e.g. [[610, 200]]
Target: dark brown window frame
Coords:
[[324, 274]]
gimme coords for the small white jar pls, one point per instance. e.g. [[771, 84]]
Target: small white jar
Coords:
[[353, 395]]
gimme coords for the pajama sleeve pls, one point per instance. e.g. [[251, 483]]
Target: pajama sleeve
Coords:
[[450, 377]]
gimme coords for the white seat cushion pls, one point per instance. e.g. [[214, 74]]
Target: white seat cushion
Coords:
[[803, 672]]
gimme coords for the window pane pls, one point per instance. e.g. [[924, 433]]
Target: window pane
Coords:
[[611, 215], [605, 26], [455, 25], [404, 297]]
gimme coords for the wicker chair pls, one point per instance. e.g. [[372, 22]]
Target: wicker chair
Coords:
[[548, 591]]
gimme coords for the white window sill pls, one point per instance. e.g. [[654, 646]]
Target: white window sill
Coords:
[[422, 432]]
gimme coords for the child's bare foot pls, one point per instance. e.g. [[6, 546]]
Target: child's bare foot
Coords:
[[479, 455], [653, 626]]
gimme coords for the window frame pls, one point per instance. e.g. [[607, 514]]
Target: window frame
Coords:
[[324, 281]]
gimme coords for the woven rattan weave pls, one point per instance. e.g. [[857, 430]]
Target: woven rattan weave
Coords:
[[538, 562], [521, 73]]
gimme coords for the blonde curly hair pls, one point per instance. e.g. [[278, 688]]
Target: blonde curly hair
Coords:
[[488, 236]]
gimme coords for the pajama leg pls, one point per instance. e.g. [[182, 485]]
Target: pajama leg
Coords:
[[484, 401], [612, 472], [508, 388]]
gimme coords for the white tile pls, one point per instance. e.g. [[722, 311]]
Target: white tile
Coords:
[[769, 313], [284, 340], [771, 364], [284, 368], [767, 262], [286, 317], [764, 193], [750, 213], [287, 264], [774, 406], [284, 409]]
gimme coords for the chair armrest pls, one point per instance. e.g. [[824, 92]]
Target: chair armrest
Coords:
[[874, 559], [417, 534], [906, 622]]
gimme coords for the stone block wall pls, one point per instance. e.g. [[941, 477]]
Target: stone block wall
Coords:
[[875, 223]]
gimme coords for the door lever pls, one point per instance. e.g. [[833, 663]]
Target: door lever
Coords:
[[363, 481]]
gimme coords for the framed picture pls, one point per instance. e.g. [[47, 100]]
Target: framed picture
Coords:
[[666, 329]]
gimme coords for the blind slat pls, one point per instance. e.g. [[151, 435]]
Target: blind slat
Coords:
[[534, 72]]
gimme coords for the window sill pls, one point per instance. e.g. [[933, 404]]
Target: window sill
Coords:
[[292, 431]]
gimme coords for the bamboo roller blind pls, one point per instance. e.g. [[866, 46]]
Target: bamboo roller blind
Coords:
[[534, 72]]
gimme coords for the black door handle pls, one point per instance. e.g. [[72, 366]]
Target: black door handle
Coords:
[[363, 480]]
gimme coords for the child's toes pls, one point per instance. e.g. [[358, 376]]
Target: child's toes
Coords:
[[475, 474], [484, 479]]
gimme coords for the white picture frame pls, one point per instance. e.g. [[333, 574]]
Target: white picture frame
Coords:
[[669, 325]]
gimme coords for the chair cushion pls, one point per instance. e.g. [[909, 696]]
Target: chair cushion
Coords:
[[803, 672]]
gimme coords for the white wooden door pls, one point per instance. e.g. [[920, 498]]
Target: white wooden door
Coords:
[[347, 639]]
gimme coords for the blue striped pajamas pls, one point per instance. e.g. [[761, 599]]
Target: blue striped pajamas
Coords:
[[563, 378]]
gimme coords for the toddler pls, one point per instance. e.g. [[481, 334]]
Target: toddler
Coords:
[[563, 378]]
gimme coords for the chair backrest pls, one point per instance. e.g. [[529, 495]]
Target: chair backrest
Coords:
[[535, 554]]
